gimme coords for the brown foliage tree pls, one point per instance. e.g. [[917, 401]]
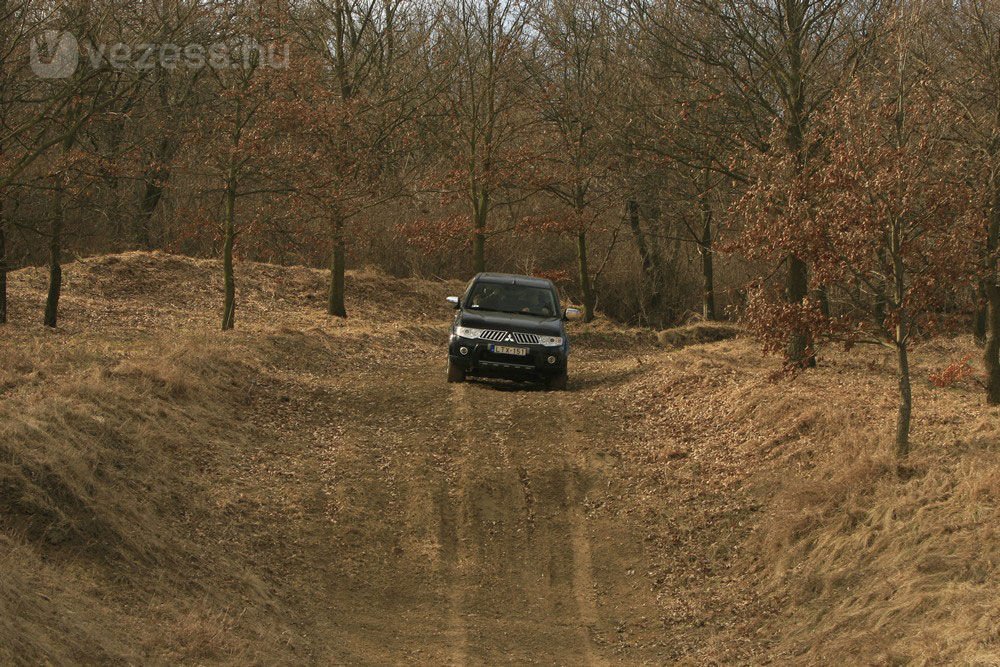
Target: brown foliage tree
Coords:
[[883, 214]]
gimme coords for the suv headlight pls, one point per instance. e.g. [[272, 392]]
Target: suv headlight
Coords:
[[466, 332], [550, 341]]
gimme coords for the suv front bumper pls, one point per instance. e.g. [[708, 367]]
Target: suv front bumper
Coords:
[[541, 360]]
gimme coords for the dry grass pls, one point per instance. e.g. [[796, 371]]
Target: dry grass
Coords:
[[112, 432], [894, 563], [840, 554], [778, 528], [696, 333], [101, 482]]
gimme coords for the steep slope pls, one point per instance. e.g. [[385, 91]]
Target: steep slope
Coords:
[[114, 432], [784, 490]]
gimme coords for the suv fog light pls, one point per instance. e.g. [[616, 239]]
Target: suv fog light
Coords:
[[552, 360], [463, 350]]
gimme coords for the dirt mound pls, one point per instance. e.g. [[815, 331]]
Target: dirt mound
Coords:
[[149, 290], [696, 333], [102, 492]]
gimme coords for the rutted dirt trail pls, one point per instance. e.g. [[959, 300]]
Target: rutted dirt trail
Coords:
[[447, 523]]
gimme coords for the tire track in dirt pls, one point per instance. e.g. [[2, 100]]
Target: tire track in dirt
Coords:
[[450, 524], [493, 520], [525, 553], [452, 538], [583, 578]]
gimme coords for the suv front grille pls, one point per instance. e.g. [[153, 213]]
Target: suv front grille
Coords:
[[509, 337]]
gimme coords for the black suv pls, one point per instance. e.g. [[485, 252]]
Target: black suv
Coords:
[[511, 327]]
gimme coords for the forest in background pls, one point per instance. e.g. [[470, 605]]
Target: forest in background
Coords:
[[824, 170]]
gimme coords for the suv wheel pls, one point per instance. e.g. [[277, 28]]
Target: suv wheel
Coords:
[[557, 382], [455, 372]]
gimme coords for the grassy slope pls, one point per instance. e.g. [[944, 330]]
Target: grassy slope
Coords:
[[113, 536], [847, 560]]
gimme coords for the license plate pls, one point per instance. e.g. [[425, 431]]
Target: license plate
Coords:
[[506, 349]]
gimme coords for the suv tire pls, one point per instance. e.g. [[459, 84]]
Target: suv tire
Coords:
[[557, 382], [455, 372]]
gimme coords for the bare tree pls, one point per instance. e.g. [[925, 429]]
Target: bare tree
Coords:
[[370, 90], [91, 89], [240, 128], [784, 58], [38, 114], [483, 47], [973, 75], [573, 75]]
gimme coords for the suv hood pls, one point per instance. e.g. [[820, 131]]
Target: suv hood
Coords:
[[546, 326]]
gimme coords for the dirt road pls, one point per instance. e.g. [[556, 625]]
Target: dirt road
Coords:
[[453, 524]]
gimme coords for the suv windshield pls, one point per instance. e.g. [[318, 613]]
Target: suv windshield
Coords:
[[504, 298]]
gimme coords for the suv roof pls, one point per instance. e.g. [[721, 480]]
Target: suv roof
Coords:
[[512, 279]]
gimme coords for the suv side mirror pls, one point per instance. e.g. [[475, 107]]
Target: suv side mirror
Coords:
[[573, 314], [453, 300]]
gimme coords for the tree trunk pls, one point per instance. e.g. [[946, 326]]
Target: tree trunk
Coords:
[[708, 281], [992, 351], [901, 339], [479, 250], [3, 267], [335, 302], [880, 308], [153, 181], [706, 252], [586, 288], [651, 273], [55, 259], [992, 286], [151, 195], [480, 211], [795, 118], [229, 307], [796, 289], [981, 315], [158, 173], [645, 256], [823, 299], [905, 400]]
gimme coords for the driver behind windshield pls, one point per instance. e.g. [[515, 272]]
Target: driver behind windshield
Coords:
[[485, 298], [539, 304], [512, 299]]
